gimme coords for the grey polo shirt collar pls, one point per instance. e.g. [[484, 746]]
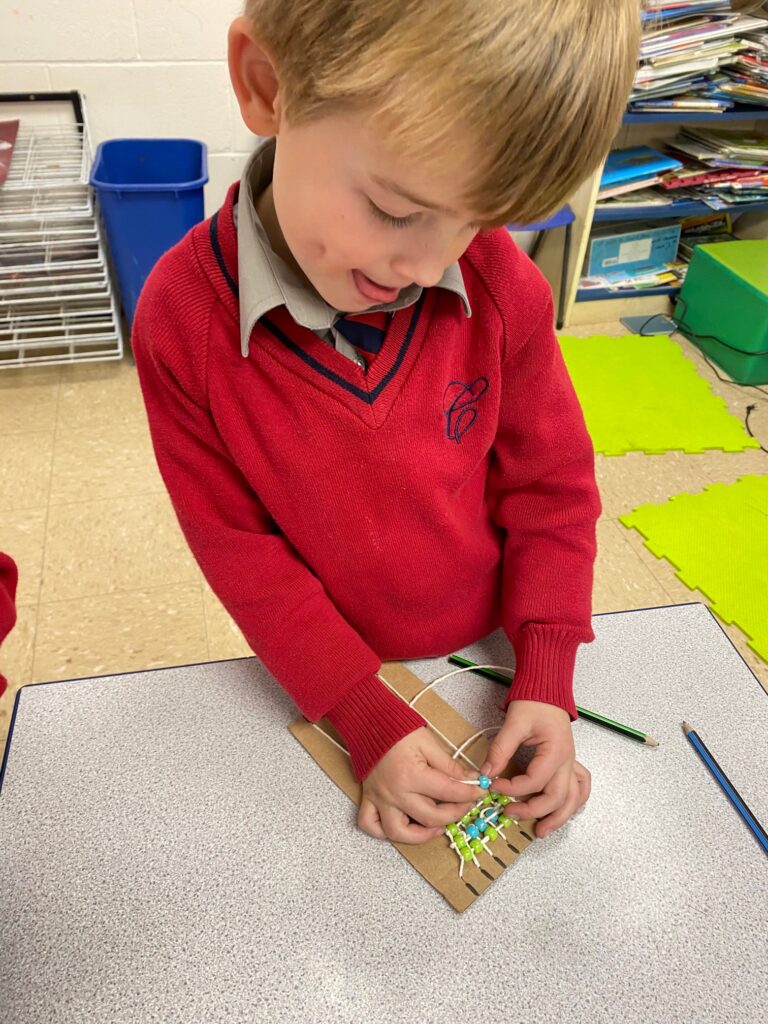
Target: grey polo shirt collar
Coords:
[[266, 281]]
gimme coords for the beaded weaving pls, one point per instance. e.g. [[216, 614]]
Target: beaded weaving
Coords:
[[473, 852], [471, 837]]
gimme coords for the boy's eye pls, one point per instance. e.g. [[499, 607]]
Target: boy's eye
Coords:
[[395, 222]]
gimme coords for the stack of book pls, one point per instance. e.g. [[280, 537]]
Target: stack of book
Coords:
[[671, 276], [700, 56], [722, 168], [634, 171], [710, 229]]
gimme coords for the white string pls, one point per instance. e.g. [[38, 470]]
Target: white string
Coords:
[[456, 672], [471, 740], [457, 751], [329, 737]]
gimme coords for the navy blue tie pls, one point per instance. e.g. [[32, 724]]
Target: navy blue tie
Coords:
[[361, 335]]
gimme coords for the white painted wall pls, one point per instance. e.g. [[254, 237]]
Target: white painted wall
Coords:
[[146, 68]]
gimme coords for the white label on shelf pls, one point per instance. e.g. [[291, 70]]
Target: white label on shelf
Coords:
[[640, 249]]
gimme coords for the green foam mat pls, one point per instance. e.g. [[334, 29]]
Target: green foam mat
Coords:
[[718, 542], [642, 395]]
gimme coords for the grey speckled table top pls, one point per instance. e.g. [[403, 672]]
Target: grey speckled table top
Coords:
[[168, 852]]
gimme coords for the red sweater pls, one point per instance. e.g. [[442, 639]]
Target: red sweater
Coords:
[[9, 577], [345, 517]]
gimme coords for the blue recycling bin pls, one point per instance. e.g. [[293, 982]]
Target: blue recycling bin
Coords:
[[150, 192]]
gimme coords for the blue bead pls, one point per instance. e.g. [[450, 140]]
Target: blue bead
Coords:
[[473, 831], [482, 826], [492, 817], [484, 782]]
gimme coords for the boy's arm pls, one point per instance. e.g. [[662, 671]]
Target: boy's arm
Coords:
[[278, 603], [542, 491], [9, 577]]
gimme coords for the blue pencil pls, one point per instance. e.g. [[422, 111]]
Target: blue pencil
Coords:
[[732, 794]]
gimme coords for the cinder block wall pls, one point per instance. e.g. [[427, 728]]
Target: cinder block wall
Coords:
[[146, 67]]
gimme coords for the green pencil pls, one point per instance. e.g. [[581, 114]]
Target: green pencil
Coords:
[[590, 716]]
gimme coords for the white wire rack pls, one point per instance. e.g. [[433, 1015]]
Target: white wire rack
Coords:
[[49, 155], [57, 303]]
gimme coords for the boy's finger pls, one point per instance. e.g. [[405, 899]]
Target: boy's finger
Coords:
[[543, 766], [541, 805], [584, 780], [432, 782], [502, 748], [368, 819], [434, 815], [553, 821], [397, 828]]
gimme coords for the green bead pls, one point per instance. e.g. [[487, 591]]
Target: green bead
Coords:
[[474, 812], [505, 822], [495, 796], [504, 800], [452, 830], [487, 801], [466, 854], [466, 820], [492, 834], [476, 845]]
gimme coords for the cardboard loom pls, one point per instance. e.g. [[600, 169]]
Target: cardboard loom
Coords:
[[435, 860]]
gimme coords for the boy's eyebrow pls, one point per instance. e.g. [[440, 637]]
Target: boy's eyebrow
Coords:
[[394, 187]]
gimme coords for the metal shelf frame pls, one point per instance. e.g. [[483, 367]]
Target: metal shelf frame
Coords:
[[57, 301]]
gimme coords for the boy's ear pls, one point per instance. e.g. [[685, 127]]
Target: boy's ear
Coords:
[[254, 80]]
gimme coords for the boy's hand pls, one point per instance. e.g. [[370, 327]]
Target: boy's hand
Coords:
[[412, 793], [561, 785]]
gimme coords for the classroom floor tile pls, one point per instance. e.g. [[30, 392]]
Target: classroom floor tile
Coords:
[[626, 481], [108, 583], [24, 535], [99, 396], [719, 468], [28, 400], [92, 464], [25, 470], [224, 637], [621, 580], [117, 544], [120, 632]]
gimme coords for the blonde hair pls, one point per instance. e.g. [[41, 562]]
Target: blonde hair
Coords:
[[536, 87]]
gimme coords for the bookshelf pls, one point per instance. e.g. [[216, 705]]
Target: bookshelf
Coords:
[[596, 306]]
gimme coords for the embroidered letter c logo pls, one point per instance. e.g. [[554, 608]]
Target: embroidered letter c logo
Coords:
[[460, 406]]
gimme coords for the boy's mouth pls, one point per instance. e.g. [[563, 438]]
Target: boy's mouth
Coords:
[[372, 290]]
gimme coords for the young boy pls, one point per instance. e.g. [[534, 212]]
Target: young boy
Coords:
[[399, 484]]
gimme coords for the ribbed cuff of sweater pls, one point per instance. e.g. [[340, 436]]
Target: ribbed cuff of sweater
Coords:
[[544, 661], [372, 720]]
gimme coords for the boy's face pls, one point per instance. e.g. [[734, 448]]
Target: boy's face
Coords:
[[341, 202]]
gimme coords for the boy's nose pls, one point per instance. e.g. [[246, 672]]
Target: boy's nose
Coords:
[[425, 272], [428, 278]]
